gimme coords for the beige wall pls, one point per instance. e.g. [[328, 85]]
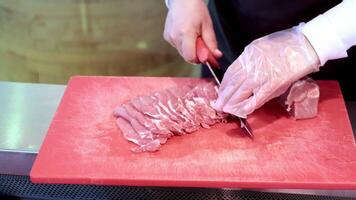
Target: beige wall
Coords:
[[51, 40]]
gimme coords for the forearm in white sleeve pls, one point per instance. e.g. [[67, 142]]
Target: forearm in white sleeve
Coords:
[[167, 3], [331, 34]]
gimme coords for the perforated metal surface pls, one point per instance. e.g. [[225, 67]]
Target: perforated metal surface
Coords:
[[21, 186]]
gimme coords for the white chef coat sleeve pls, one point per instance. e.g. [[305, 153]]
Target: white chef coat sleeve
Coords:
[[167, 3], [331, 34]]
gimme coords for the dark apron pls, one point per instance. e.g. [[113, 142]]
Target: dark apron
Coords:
[[239, 22]]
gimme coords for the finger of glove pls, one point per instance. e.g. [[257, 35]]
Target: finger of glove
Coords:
[[232, 85], [243, 108], [233, 73], [241, 94]]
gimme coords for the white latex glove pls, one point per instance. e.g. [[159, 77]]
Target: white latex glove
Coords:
[[265, 70], [186, 20]]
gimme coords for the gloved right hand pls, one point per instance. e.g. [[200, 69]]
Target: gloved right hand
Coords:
[[186, 20]]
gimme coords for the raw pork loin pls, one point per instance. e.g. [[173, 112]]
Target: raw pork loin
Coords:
[[301, 99], [149, 121]]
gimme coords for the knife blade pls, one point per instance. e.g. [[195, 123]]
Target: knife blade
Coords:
[[245, 125], [205, 56], [217, 81]]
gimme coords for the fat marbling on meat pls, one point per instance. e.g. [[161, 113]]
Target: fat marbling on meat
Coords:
[[150, 120]]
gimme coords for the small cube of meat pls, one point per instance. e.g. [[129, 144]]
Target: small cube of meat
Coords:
[[301, 99]]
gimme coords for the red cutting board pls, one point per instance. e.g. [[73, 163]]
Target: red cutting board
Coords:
[[84, 146]]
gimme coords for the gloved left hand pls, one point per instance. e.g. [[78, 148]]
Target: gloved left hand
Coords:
[[265, 70]]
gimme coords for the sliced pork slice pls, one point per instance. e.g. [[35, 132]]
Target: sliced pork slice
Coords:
[[195, 111], [204, 97], [180, 106], [203, 107], [160, 102], [147, 106], [198, 105], [176, 111], [149, 121], [161, 99], [131, 135], [205, 111], [142, 131], [146, 122], [150, 146], [186, 95], [210, 93], [172, 125], [128, 132], [207, 90]]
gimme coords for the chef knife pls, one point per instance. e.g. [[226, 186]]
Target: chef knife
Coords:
[[206, 57]]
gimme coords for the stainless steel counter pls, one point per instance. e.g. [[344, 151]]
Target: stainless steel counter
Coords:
[[26, 111]]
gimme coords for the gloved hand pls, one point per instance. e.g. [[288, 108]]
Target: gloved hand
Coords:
[[186, 20], [265, 70]]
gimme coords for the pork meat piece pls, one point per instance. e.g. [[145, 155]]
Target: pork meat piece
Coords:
[[156, 133], [143, 132], [150, 120], [131, 135], [208, 94], [175, 110], [301, 99], [145, 104], [198, 106], [158, 100], [181, 107], [150, 146], [204, 95], [128, 132], [186, 95]]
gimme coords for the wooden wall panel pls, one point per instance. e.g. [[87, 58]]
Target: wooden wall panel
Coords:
[[49, 40]]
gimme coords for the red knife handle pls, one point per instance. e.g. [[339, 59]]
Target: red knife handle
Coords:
[[204, 54]]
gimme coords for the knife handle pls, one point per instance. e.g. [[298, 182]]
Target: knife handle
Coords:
[[204, 54]]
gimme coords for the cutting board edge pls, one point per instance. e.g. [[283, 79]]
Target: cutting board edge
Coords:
[[195, 184]]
